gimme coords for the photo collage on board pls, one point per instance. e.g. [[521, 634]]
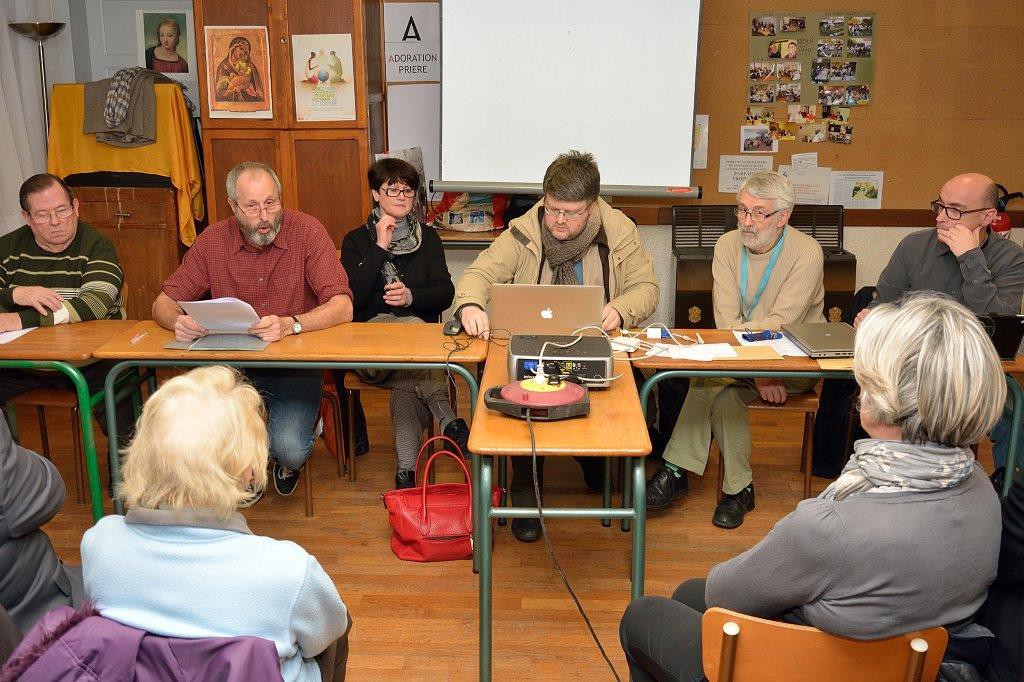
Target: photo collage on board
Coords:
[[814, 67]]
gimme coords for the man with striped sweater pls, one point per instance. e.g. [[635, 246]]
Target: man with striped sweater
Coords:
[[54, 270]]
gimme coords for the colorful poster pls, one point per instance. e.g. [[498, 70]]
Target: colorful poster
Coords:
[[322, 73], [238, 72], [811, 57]]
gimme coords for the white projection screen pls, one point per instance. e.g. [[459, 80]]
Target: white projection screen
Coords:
[[523, 80]]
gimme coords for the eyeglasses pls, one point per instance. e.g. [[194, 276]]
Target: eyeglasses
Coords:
[[568, 215], [253, 210], [61, 213], [952, 213], [397, 192], [757, 216]]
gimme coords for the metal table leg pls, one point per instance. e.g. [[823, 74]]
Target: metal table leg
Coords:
[[482, 549]]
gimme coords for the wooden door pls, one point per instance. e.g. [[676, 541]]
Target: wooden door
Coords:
[[329, 168]]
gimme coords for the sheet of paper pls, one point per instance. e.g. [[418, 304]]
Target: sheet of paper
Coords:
[[704, 352], [700, 141], [783, 346], [857, 189], [804, 160], [7, 337], [733, 170], [222, 315], [811, 183]]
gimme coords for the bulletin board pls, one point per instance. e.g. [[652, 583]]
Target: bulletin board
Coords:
[[946, 99]]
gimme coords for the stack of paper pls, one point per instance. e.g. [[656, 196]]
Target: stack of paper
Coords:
[[782, 346], [703, 352]]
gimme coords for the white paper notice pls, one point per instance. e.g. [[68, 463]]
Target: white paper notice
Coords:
[[811, 183], [7, 337], [704, 352], [700, 141], [734, 170], [804, 160], [783, 346], [857, 189], [222, 315]]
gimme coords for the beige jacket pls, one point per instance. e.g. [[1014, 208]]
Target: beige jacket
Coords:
[[515, 257]]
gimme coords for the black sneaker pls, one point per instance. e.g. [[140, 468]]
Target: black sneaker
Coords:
[[664, 488], [405, 478], [459, 432], [730, 511], [285, 479]]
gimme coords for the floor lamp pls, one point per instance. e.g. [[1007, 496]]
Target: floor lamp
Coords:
[[40, 32]]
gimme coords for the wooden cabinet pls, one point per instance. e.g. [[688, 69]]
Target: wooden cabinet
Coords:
[[322, 164], [143, 224]]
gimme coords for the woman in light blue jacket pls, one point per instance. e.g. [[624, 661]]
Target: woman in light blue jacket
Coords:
[[182, 562]]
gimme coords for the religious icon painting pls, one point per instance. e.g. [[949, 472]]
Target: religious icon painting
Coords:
[[238, 72]]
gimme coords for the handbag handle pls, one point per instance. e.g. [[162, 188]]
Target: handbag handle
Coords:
[[423, 448], [430, 462]]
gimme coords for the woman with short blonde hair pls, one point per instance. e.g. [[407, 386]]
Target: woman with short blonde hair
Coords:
[[906, 539], [168, 466], [182, 562]]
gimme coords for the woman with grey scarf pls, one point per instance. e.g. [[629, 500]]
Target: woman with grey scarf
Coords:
[[907, 538], [398, 274]]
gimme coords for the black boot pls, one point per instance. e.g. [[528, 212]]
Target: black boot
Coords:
[[405, 478], [730, 511], [458, 432], [664, 488]]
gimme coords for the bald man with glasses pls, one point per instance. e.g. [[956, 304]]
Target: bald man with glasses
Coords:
[[959, 256]]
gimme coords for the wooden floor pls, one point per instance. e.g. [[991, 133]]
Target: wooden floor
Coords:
[[419, 621]]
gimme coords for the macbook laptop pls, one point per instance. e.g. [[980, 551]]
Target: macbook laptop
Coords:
[[1006, 332], [822, 339], [545, 308]]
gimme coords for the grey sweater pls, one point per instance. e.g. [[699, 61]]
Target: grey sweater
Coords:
[[32, 579], [989, 279], [872, 565]]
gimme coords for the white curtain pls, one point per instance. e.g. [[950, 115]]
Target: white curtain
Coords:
[[21, 128]]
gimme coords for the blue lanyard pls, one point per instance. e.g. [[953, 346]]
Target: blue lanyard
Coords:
[[776, 250]]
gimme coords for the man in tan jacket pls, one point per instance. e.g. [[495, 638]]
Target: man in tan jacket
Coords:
[[570, 237], [766, 274]]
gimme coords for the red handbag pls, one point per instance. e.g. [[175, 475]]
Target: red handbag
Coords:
[[433, 522]]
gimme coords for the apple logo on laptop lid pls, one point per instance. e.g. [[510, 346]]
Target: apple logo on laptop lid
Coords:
[[547, 314]]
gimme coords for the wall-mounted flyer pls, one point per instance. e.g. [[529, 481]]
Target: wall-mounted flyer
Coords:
[[322, 76]]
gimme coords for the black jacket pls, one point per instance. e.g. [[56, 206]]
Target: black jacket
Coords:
[[424, 271]]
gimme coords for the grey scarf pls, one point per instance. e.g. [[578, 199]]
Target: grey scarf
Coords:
[[887, 466], [561, 255], [406, 238]]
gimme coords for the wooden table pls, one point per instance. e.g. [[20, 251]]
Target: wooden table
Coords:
[[362, 345], [791, 367], [60, 348], [615, 427]]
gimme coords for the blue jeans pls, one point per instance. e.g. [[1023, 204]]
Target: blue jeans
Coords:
[[293, 402]]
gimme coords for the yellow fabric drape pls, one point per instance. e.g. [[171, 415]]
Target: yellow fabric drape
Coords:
[[172, 155]]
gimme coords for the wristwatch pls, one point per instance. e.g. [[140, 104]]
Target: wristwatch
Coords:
[[296, 325]]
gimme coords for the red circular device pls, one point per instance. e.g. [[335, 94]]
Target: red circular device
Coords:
[[529, 393]]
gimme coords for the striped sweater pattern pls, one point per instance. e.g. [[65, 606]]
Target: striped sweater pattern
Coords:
[[86, 274]]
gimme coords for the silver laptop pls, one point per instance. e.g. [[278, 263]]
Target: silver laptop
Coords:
[[822, 339], [545, 308]]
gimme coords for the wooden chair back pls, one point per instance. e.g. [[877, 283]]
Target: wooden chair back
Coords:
[[737, 647]]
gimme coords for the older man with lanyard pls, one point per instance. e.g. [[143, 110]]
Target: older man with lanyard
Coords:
[[284, 264], [766, 274]]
